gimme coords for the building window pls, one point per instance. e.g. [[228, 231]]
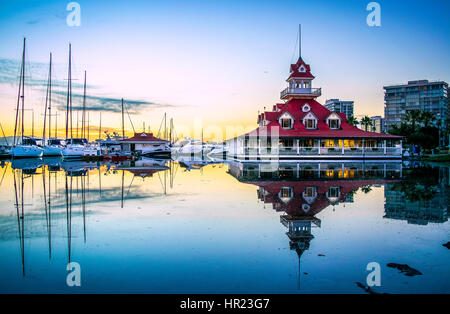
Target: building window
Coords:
[[310, 123], [286, 123], [310, 192], [286, 143], [286, 192], [334, 123], [334, 192], [328, 143]]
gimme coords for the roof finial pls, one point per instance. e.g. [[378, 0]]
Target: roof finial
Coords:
[[299, 41]]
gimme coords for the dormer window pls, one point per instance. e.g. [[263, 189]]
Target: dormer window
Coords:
[[306, 108], [334, 121], [334, 124], [286, 121], [302, 69], [286, 194], [310, 121]]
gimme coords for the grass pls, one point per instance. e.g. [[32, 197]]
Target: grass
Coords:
[[438, 158]]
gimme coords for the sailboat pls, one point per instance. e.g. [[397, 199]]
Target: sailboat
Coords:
[[76, 147], [28, 147], [54, 146]]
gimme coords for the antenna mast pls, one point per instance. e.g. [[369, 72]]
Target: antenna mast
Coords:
[[299, 41]]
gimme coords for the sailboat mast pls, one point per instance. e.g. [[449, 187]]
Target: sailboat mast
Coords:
[[88, 137], [100, 127], [50, 98], [68, 94], [83, 116], [23, 87], [46, 102], [123, 123], [165, 126]]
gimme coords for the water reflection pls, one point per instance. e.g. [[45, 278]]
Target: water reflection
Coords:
[[299, 192], [422, 196]]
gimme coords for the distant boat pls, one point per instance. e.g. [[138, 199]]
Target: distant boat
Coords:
[[191, 147], [146, 144], [78, 148], [54, 147], [28, 147]]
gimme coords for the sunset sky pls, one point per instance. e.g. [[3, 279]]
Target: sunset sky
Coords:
[[215, 63]]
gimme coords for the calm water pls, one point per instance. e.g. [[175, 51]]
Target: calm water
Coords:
[[166, 226]]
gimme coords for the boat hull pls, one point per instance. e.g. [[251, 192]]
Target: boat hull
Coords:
[[22, 151], [52, 151], [75, 151]]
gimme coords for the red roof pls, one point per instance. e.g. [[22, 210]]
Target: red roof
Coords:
[[294, 107], [143, 137], [295, 207]]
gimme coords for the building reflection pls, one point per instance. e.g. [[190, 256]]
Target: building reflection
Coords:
[[300, 191], [422, 196]]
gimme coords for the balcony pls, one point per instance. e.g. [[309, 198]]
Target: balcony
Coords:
[[304, 92]]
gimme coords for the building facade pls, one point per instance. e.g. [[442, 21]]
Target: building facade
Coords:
[[340, 106], [302, 128], [377, 124], [416, 95]]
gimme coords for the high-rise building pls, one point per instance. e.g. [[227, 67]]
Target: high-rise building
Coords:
[[416, 95], [377, 124], [342, 106]]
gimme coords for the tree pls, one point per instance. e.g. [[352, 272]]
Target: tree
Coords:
[[352, 121], [366, 122], [413, 117], [427, 118]]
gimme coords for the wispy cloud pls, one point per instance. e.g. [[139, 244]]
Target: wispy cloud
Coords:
[[10, 71], [35, 75], [110, 104]]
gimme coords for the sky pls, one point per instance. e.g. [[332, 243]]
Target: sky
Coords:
[[213, 64]]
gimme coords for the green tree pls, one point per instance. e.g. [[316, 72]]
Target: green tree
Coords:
[[427, 118], [352, 121], [366, 122], [413, 117]]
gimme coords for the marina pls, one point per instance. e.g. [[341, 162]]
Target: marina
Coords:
[[224, 155], [295, 226]]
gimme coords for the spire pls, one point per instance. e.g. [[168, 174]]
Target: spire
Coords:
[[299, 41]]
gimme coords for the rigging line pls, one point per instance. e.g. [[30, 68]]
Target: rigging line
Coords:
[[3, 176], [129, 187], [162, 185], [160, 126], [4, 136], [129, 117], [295, 47], [46, 98]]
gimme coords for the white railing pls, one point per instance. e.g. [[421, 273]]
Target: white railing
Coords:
[[301, 91], [333, 151]]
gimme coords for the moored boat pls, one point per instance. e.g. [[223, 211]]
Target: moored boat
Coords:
[[54, 148]]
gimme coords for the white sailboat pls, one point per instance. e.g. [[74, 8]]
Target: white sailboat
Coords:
[[28, 147], [76, 147], [52, 146]]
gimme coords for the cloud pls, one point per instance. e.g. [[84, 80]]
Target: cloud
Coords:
[[36, 74], [109, 104], [10, 72]]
